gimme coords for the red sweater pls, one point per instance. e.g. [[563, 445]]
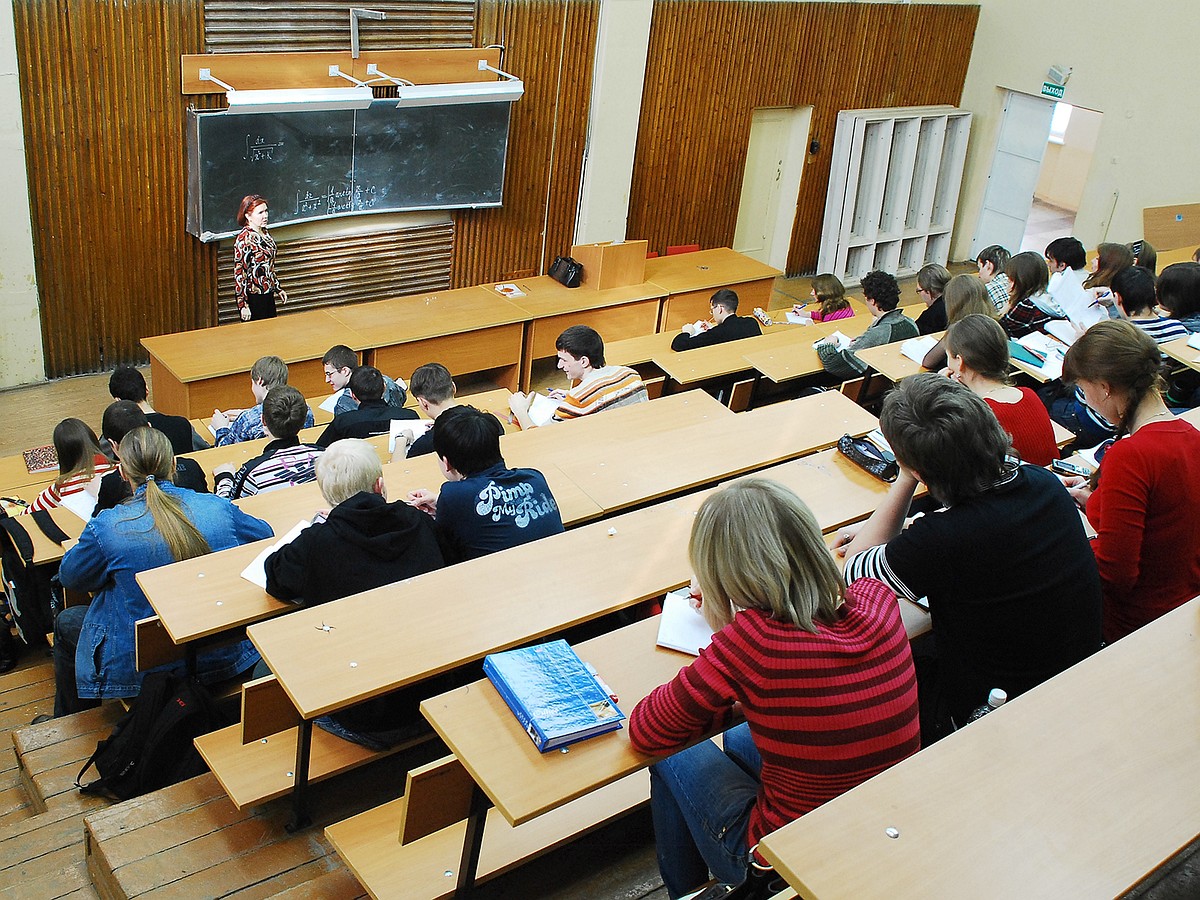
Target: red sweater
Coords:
[[1029, 424], [1145, 514], [827, 710]]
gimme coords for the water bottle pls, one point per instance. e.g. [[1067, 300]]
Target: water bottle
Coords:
[[996, 699]]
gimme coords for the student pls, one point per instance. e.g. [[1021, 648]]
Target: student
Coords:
[[1110, 259], [931, 285], [120, 418], [80, 460], [829, 294], [1134, 291], [1030, 307], [977, 350], [484, 506], [1144, 256], [888, 325], [1143, 500], [1065, 254], [94, 644], [965, 296], [594, 387], [268, 372], [992, 263], [373, 415], [284, 461], [730, 326], [822, 673], [339, 362], [1178, 292], [1006, 566], [127, 383], [434, 389]]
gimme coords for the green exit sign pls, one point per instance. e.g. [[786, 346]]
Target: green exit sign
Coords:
[[1053, 90]]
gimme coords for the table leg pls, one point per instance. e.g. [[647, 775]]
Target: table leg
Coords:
[[472, 842], [300, 818], [191, 652]]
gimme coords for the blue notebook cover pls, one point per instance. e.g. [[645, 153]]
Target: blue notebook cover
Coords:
[[552, 694]]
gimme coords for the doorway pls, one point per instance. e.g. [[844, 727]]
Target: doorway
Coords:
[[771, 183], [1065, 167]]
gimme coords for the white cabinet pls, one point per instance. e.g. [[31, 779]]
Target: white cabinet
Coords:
[[893, 189]]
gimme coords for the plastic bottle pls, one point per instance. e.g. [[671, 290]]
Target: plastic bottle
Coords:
[[996, 698]]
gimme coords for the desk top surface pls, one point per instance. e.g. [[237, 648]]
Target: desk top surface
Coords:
[[1077, 788], [399, 320], [719, 360], [546, 297], [1179, 350], [702, 269], [793, 355], [234, 348], [890, 362]]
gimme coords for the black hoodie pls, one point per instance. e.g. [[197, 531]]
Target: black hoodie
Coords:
[[366, 543]]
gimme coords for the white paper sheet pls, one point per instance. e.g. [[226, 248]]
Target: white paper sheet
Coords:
[[681, 626], [256, 572]]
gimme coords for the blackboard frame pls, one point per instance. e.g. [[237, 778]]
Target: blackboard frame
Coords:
[[330, 164]]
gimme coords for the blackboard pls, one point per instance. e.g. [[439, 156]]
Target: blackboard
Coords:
[[318, 165]]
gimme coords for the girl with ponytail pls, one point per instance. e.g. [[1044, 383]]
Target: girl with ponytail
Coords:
[[1143, 499], [160, 524]]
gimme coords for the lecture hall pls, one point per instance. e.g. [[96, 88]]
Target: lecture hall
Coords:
[[804, 394]]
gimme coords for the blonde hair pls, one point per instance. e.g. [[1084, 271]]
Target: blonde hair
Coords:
[[966, 296], [756, 545], [147, 458], [350, 466]]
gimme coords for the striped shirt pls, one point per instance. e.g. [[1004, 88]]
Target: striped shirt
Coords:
[[827, 710], [52, 495], [602, 389], [1161, 328], [282, 464]]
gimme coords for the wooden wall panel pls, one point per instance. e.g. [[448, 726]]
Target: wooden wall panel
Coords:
[[103, 122], [712, 64], [550, 44]]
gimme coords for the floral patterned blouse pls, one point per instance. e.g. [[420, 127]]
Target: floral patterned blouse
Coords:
[[253, 264]]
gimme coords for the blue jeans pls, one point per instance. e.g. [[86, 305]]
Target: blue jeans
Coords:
[[701, 801]]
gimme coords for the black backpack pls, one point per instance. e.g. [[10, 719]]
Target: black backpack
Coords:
[[151, 745], [29, 590]]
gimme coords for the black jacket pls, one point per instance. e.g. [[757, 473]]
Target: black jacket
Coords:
[[732, 329], [371, 418]]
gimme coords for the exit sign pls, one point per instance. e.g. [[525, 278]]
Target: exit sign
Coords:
[[1053, 90]]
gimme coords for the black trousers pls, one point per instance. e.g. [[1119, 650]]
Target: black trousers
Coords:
[[262, 306]]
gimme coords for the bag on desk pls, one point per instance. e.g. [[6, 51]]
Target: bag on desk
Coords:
[[151, 746], [566, 271], [868, 457], [29, 590]]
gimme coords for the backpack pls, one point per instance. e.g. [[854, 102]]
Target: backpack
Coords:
[[151, 745], [30, 591]]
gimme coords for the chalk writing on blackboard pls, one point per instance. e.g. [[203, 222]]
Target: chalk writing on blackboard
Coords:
[[258, 149]]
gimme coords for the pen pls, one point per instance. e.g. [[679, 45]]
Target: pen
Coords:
[[612, 695]]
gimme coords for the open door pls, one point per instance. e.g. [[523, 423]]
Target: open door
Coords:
[[771, 183]]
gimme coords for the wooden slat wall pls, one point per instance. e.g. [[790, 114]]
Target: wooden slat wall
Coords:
[[351, 268], [550, 44], [711, 64], [103, 122]]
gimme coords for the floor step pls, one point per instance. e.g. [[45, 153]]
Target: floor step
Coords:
[[42, 857], [25, 693], [51, 754], [189, 840]]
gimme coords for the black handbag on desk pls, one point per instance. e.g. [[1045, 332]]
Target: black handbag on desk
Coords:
[[566, 271]]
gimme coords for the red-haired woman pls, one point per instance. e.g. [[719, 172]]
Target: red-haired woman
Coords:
[[254, 280]]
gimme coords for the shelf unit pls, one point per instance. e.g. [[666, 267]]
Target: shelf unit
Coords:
[[893, 189]]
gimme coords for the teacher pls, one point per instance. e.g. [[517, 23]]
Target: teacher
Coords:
[[254, 280]]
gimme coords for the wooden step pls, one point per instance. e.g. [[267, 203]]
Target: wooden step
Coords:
[[370, 846], [26, 693], [51, 754], [189, 840], [42, 857]]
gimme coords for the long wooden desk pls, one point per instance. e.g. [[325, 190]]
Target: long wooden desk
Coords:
[[468, 330], [1077, 788], [194, 372], [689, 279], [1179, 351], [44, 549]]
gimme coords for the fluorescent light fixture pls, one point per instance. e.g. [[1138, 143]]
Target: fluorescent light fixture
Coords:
[[462, 92], [299, 99]]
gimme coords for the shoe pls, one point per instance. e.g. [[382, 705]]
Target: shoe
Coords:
[[38, 720], [7, 663]]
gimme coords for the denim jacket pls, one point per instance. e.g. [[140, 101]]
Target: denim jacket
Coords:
[[116, 545]]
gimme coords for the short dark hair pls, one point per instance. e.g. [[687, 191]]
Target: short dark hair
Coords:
[[432, 383], [1028, 273], [881, 289], [1135, 285], [945, 433], [581, 341], [726, 299], [340, 357], [366, 383], [284, 411], [1067, 250], [120, 418], [127, 383], [468, 439], [1179, 289], [996, 255]]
